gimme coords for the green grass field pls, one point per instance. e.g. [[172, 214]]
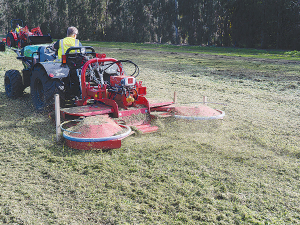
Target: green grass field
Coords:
[[226, 51], [243, 169]]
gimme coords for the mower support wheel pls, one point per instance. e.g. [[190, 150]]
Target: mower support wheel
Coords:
[[43, 88], [13, 84]]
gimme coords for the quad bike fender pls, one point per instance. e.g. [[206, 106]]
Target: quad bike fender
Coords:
[[55, 69]]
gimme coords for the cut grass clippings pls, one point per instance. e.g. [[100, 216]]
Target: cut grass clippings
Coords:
[[243, 169]]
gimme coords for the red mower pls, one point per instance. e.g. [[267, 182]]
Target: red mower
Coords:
[[112, 102]]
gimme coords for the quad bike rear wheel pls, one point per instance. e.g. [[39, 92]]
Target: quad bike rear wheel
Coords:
[[13, 84], [10, 41], [43, 89]]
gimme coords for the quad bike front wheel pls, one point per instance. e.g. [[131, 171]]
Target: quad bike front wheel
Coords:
[[43, 89], [13, 84]]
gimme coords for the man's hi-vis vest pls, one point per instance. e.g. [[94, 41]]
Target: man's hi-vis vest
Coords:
[[18, 29], [65, 44]]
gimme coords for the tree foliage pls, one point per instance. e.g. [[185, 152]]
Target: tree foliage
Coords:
[[241, 23]]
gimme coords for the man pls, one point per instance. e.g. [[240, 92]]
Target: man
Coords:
[[18, 27], [62, 46], [70, 41]]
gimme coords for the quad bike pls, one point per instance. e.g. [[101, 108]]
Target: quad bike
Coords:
[[25, 37], [101, 102]]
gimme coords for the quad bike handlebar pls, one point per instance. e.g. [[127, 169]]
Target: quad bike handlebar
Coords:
[[79, 57], [81, 48], [80, 52]]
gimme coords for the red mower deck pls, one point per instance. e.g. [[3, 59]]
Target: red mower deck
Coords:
[[95, 132]]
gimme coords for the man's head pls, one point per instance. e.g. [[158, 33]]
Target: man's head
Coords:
[[17, 25], [72, 31]]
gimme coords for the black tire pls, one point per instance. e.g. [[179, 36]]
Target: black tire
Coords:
[[43, 89], [13, 84], [10, 41]]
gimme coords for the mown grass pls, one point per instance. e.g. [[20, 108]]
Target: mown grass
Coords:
[[243, 169]]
